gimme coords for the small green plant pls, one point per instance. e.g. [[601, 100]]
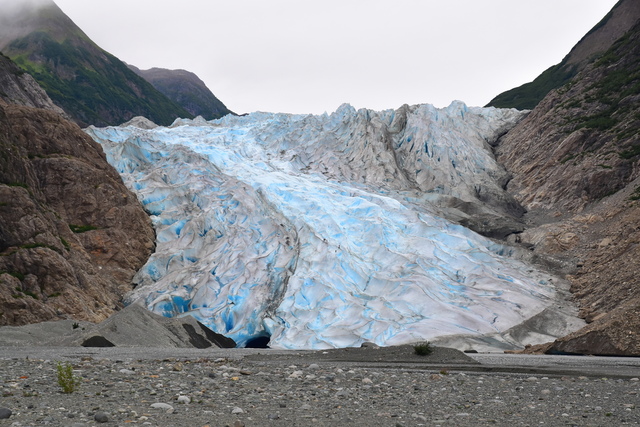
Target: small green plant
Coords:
[[15, 274], [66, 380], [631, 152], [567, 158], [28, 293], [33, 245], [423, 349], [81, 228], [17, 184], [65, 243]]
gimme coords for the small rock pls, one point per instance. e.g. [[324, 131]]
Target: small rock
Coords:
[[127, 371], [101, 417], [369, 345], [184, 399], [161, 405], [306, 407], [178, 367], [296, 374], [314, 366], [5, 413], [273, 416], [237, 410]]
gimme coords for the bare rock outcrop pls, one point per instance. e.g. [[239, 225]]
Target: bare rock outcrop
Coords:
[[71, 235], [134, 326], [18, 87]]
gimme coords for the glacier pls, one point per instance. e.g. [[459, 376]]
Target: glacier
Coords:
[[326, 231]]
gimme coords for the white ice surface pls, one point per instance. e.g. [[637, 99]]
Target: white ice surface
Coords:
[[308, 228]]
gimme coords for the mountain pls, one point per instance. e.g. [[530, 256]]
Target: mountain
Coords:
[[464, 226], [313, 232], [597, 41], [186, 90], [575, 165], [91, 85], [71, 234]]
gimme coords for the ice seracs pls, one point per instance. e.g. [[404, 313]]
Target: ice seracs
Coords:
[[319, 231]]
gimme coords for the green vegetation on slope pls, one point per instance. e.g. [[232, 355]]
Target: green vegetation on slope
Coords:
[[93, 86], [527, 96]]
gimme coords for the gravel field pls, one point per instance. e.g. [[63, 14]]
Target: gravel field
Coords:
[[354, 387]]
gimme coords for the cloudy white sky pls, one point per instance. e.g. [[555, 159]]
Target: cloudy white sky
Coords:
[[308, 56]]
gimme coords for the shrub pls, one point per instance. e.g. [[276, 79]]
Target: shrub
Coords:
[[423, 349], [66, 380]]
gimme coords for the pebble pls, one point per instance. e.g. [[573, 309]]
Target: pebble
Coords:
[[301, 395], [101, 417], [5, 413], [161, 405]]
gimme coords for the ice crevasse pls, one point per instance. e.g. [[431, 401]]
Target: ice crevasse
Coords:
[[317, 231]]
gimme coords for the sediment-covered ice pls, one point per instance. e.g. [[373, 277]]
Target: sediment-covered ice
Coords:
[[316, 230]]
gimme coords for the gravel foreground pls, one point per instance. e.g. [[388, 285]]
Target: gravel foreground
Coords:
[[375, 387]]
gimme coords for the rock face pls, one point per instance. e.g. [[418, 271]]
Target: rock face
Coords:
[[575, 162], [20, 88], [71, 234], [186, 89]]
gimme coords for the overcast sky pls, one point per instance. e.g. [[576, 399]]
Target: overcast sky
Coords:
[[309, 56]]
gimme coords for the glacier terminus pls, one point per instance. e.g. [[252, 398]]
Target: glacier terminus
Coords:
[[323, 231]]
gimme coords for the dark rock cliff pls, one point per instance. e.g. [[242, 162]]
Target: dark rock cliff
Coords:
[[71, 235]]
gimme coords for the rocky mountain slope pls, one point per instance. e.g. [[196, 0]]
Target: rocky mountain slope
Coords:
[[575, 162], [19, 87], [91, 85], [185, 89], [613, 26], [71, 234]]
